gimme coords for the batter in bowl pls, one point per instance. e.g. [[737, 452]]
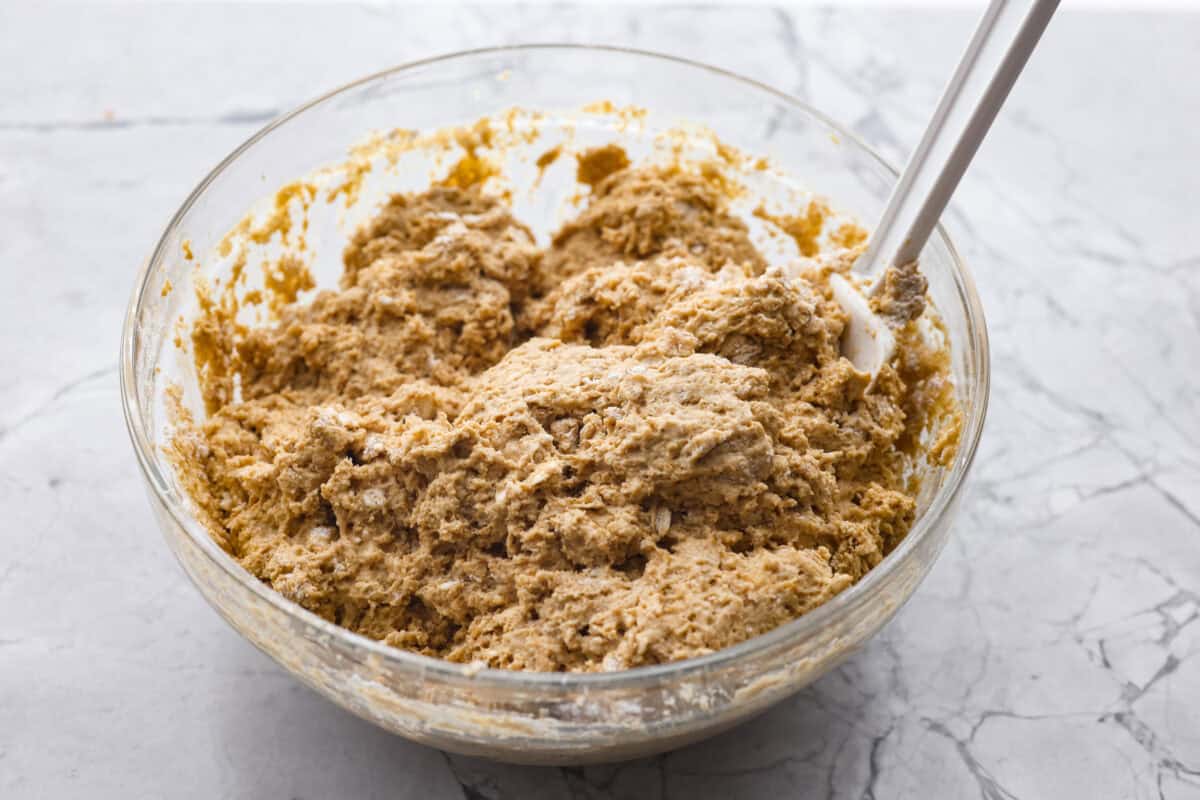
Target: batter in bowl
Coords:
[[636, 445]]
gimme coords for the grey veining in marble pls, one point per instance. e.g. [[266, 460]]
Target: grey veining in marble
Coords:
[[1053, 652]]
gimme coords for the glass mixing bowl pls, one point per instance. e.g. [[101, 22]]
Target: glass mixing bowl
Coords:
[[521, 716]]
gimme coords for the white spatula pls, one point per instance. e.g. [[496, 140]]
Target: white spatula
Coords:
[[1002, 43]]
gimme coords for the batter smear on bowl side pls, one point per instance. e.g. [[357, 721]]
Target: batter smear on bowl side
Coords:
[[636, 445]]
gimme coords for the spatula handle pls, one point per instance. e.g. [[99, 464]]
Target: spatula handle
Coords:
[[1002, 43]]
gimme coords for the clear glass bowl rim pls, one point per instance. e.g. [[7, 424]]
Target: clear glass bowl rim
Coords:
[[555, 682]]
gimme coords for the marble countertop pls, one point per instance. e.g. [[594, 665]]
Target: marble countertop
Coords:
[[1053, 652]]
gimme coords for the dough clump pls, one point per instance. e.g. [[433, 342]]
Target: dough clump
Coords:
[[637, 445]]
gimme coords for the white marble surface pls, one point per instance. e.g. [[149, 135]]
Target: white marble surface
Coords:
[[1052, 653]]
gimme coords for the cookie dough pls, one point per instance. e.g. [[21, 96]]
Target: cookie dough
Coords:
[[637, 445]]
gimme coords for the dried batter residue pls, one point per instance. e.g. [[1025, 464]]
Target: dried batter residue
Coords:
[[849, 236], [804, 229], [597, 164], [549, 157]]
